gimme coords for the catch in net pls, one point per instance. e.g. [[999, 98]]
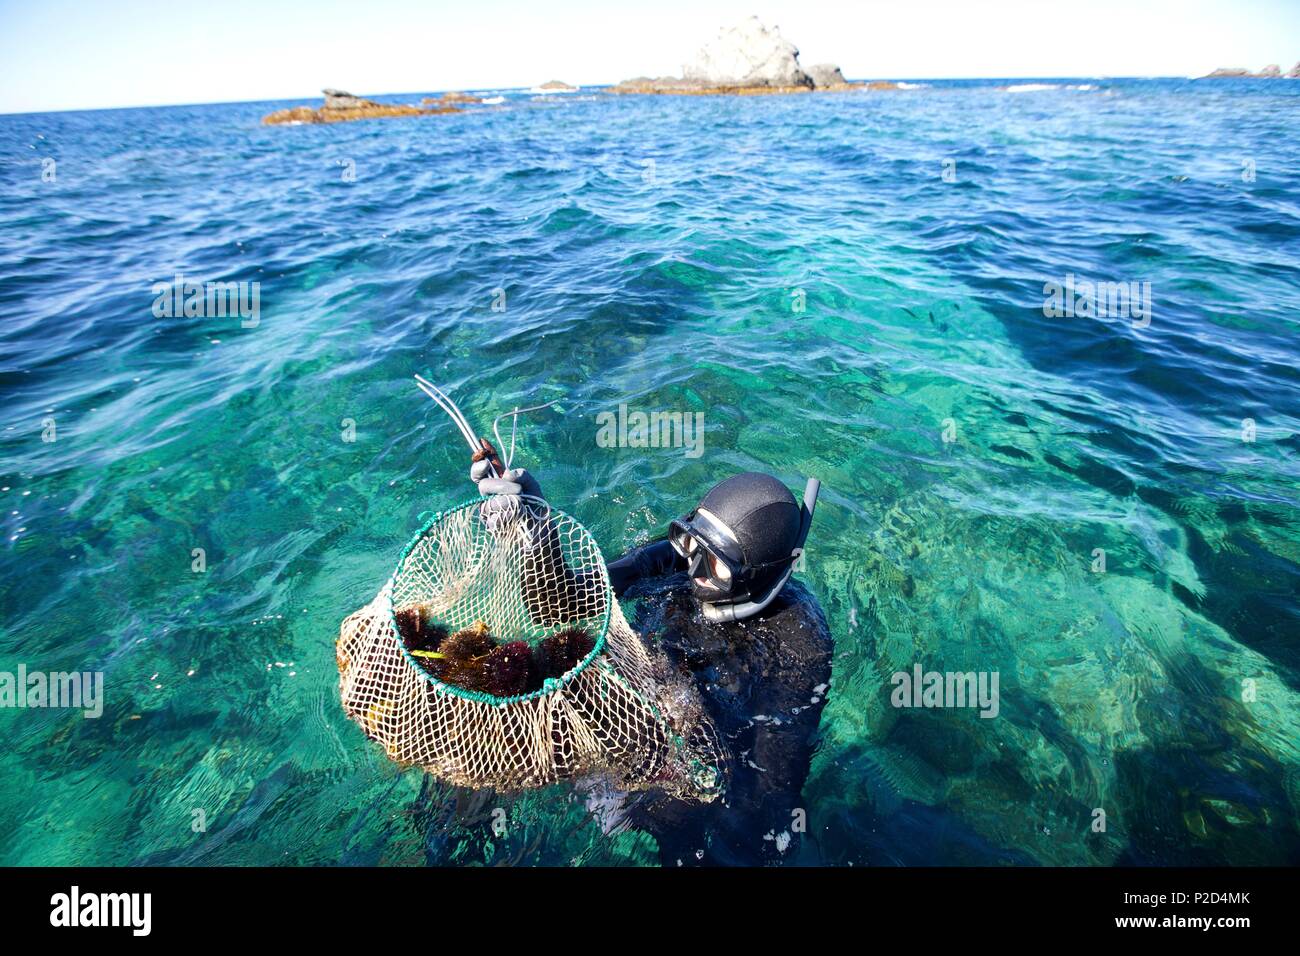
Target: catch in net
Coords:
[[496, 656]]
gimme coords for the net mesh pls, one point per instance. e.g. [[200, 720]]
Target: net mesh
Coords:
[[527, 572]]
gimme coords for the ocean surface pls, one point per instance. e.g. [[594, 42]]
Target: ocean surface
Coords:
[[1102, 510]]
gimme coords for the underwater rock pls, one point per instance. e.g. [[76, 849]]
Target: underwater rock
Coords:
[[340, 107]]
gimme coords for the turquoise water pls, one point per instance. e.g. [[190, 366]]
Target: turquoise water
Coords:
[[656, 252]]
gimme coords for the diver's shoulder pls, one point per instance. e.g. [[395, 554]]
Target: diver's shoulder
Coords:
[[797, 611], [795, 595]]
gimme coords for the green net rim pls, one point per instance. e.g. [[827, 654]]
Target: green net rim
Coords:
[[552, 684]]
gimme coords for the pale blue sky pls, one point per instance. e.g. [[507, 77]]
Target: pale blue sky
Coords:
[[69, 54]]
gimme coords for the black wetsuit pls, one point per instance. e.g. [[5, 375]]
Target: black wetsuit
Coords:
[[764, 682]]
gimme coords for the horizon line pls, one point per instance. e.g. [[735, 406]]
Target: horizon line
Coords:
[[589, 86]]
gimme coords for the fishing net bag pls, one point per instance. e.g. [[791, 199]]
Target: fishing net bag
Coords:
[[533, 578]]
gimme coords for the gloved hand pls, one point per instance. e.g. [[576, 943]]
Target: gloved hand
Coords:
[[516, 481], [504, 503]]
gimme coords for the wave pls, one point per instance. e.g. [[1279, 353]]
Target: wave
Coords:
[[1042, 87]]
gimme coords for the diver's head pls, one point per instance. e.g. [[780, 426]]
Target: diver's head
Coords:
[[741, 542]]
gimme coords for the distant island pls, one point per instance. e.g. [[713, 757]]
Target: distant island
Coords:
[[451, 99], [340, 107], [746, 59], [1270, 72]]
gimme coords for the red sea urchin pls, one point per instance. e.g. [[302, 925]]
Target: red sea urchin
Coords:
[[562, 652], [419, 632], [509, 670], [472, 660], [463, 657], [420, 635]]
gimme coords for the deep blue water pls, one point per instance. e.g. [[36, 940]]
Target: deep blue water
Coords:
[[801, 271]]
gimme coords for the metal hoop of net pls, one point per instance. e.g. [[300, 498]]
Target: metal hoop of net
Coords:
[[525, 572]]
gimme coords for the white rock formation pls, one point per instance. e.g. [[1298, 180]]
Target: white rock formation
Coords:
[[748, 55], [826, 75]]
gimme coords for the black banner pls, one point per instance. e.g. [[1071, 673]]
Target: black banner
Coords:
[[479, 906]]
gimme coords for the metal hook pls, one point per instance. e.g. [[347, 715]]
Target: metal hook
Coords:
[[514, 425]]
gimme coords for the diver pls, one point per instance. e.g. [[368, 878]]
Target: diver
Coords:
[[716, 594]]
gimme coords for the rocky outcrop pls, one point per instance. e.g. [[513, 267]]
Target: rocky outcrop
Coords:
[[1270, 72], [748, 54], [339, 100], [826, 76], [653, 84], [683, 87], [746, 59], [340, 107], [452, 97], [556, 86]]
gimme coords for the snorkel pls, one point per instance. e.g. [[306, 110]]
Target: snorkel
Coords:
[[739, 610]]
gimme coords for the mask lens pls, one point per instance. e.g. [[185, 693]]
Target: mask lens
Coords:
[[720, 572]]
